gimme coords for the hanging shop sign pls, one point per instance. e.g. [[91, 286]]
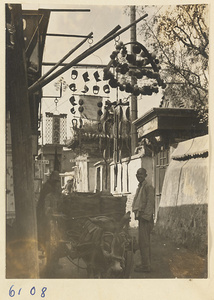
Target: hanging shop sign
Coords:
[[136, 72], [56, 128]]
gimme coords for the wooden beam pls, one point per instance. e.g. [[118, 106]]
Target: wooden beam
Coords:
[[70, 52], [70, 10], [26, 11], [92, 66], [65, 57], [101, 43], [67, 35]]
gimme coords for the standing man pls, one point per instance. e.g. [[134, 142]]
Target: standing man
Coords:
[[143, 208]]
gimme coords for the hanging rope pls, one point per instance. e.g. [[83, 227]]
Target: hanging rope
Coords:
[[56, 103]]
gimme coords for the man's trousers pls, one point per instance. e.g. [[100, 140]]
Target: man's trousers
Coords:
[[145, 228]]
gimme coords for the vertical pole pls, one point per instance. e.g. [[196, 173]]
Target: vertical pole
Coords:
[[42, 167], [24, 248], [133, 82]]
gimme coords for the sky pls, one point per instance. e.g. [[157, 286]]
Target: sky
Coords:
[[100, 20]]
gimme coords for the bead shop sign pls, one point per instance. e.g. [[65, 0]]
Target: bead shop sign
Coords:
[[140, 65]]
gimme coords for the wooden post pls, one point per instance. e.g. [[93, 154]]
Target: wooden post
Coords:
[[24, 248], [133, 82]]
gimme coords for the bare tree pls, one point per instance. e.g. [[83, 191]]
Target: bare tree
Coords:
[[180, 37]]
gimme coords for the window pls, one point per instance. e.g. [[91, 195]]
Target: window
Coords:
[[161, 164]]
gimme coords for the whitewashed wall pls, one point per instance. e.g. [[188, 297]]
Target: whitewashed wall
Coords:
[[81, 173], [183, 209], [130, 183]]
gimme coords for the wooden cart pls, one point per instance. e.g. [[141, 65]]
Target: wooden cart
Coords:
[[94, 228]]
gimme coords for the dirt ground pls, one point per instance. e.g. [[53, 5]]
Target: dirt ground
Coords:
[[168, 261], [172, 261]]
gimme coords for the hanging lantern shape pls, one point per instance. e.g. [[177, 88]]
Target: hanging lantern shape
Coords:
[[80, 123], [106, 89], [72, 87], [128, 113], [136, 49], [100, 104], [96, 89], [72, 110], [81, 108], [113, 83], [86, 89], [74, 123], [99, 112], [74, 74], [72, 101], [97, 76], [86, 77]]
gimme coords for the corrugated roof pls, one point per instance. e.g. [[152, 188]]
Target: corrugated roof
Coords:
[[196, 146]]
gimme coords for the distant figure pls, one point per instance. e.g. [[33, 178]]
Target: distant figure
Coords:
[[69, 187], [48, 187], [143, 208]]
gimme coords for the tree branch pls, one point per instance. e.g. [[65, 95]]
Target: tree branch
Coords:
[[196, 85], [191, 45], [202, 32], [177, 69], [192, 20], [181, 39]]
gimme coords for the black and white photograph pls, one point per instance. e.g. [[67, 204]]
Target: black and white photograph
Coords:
[[107, 170]]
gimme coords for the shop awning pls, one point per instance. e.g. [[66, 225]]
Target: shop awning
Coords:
[[195, 146]]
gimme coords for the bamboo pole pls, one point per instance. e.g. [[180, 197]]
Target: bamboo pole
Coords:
[[35, 87], [65, 57], [72, 51]]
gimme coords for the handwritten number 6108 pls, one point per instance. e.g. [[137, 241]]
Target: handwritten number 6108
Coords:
[[32, 291]]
